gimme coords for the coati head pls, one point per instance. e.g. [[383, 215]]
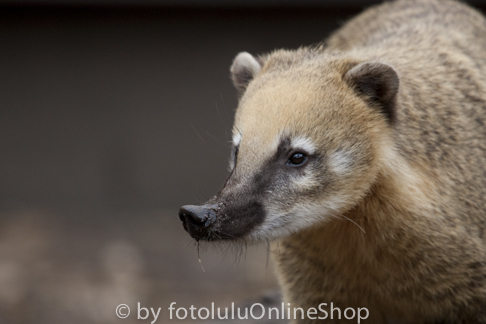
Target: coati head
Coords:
[[308, 142]]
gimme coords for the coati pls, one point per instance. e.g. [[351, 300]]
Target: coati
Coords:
[[363, 159]]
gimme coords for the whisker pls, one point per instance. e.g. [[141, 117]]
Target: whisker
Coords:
[[197, 133], [349, 219]]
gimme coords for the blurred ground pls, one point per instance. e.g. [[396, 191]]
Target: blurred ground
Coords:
[[57, 269]]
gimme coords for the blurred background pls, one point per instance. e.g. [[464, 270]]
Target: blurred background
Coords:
[[113, 114]]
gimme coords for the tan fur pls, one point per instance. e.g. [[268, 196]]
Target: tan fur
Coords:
[[418, 187]]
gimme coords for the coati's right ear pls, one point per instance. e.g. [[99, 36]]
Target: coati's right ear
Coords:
[[243, 70], [379, 82]]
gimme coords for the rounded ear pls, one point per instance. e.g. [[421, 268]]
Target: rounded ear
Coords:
[[243, 70], [379, 82]]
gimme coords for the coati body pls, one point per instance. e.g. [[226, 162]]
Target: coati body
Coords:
[[364, 160]]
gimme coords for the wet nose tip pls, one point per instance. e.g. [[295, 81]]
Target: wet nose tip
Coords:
[[193, 214]]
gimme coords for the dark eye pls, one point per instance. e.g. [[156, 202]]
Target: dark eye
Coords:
[[234, 157], [297, 159]]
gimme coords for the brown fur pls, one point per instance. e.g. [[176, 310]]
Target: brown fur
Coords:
[[423, 256]]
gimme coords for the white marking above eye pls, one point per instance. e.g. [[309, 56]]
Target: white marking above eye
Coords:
[[303, 143]]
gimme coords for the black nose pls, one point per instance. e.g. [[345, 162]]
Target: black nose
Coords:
[[194, 215], [197, 220]]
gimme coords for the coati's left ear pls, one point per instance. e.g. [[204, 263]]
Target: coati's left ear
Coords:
[[243, 70], [377, 81]]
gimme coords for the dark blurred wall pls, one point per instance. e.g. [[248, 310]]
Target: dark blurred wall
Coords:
[[128, 108]]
